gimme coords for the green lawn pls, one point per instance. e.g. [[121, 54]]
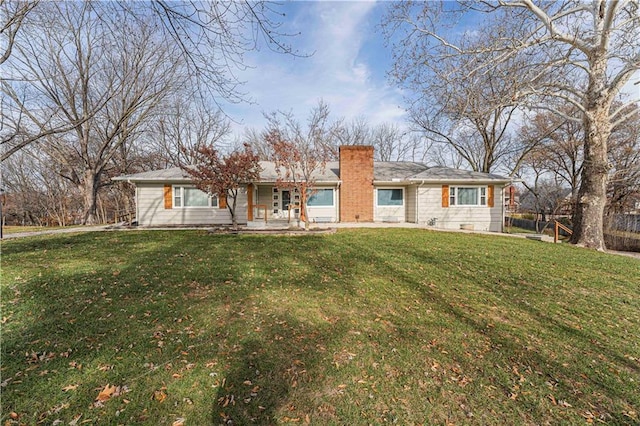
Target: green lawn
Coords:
[[359, 327]]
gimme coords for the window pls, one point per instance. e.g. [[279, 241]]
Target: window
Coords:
[[468, 196], [186, 196], [321, 198], [390, 197]]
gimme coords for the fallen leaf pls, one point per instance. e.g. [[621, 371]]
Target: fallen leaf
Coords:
[[179, 422], [106, 393], [69, 388], [159, 395]]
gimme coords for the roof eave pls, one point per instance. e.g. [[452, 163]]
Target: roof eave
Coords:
[[440, 181]]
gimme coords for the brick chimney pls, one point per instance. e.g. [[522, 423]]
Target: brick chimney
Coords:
[[356, 190]]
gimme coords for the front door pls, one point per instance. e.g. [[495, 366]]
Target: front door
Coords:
[[286, 200]]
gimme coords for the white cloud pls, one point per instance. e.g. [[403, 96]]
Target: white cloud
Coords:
[[338, 72]]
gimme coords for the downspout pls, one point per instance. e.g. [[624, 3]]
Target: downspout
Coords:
[[338, 214], [137, 204], [137, 209], [503, 212]]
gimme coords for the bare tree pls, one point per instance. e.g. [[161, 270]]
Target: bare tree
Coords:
[[624, 156], [12, 15], [390, 142], [545, 197], [560, 152], [208, 39], [38, 196], [469, 113], [102, 83], [300, 152], [255, 139], [581, 53], [354, 132], [185, 127], [212, 37]]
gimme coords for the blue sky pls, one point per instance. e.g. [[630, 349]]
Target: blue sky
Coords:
[[346, 68]]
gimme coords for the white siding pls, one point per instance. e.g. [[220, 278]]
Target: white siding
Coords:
[[325, 213], [410, 203], [151, 211], [481, 217], [265, 198], [389, 213]]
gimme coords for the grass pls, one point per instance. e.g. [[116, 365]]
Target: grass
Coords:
[[360, 327], [517, 230]]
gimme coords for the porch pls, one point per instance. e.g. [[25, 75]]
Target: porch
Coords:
[[271, 206]]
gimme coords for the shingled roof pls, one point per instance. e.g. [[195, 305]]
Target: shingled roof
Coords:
[[383, 171]]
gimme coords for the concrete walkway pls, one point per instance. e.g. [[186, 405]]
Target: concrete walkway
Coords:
[[313, 226], [57, 231]]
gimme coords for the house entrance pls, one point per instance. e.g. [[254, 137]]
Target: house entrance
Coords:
[[286, 200]]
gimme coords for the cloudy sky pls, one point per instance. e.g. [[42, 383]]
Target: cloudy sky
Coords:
[[346, 66]]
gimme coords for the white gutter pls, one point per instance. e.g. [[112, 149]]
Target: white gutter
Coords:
[[138, 207]]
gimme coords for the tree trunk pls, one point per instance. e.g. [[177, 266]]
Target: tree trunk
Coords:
[[89, 189], [304, 211], [232, 210], [592, 196]]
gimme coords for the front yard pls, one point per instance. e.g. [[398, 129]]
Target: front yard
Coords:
[[365, 326]]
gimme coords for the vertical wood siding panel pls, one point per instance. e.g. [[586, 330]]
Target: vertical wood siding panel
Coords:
[[490, 195], [445, 195], [168, 197]]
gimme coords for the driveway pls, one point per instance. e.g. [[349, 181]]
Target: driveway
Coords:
[[56, 231]]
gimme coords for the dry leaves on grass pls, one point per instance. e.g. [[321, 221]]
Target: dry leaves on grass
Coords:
[[108, 392], [159, 395]]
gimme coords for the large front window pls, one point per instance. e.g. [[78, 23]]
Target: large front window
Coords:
[[188, 196], [468, 196], [390, 197], [321, 198]]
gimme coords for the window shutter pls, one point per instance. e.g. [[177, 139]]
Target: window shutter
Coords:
[[445, 195], [222, 202], [490, 197], [168, 197]]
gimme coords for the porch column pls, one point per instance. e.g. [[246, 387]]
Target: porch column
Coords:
[[250, 202]]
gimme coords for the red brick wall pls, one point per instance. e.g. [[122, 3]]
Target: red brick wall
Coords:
[[356, 190]]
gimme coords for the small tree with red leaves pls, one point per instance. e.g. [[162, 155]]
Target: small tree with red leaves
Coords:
[[224, 176]]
